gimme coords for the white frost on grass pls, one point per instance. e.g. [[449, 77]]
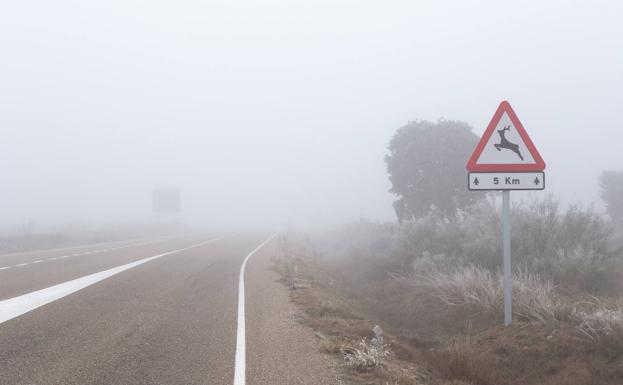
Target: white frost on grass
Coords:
[[600, 322], [535, 298], [367, 354]]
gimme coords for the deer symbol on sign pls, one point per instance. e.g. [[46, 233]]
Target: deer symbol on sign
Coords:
[[504, 143]]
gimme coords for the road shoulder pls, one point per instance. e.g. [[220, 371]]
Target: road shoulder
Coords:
[[279, 349]]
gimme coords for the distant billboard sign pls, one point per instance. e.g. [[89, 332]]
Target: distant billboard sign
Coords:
[[166, 200]]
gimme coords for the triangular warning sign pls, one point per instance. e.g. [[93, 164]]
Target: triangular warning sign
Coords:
[[505, 146]]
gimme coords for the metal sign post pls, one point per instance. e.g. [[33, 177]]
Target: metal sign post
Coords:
[[506, 244], [506, 161]]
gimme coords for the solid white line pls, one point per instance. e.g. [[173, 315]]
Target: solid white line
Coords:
[[241, 349], [14, 307]]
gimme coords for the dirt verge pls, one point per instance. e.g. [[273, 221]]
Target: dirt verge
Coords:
[[433, 344]]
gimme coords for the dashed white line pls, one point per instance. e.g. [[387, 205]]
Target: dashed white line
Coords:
[[5, 267], [241, 349], [83, 253], [14, 307], [101, 244]]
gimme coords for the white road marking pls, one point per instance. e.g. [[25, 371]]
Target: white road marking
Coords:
[[5, 267], [59, 249], [38, 261], [81, 253], [15, 307], [241, 349]]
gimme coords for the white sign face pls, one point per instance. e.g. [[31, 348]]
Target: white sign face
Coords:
[[505, 146], [484, 181]]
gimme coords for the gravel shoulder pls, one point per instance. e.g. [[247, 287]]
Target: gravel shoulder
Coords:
[[280, 350]]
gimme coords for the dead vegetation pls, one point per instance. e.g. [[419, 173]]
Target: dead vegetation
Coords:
[[360, 348], [443, 309]]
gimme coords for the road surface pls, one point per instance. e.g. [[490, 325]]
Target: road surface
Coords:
[[159, 311]]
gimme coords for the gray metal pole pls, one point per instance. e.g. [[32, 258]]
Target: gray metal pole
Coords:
[[508, 277]]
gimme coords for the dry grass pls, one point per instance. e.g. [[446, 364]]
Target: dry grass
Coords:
[[600, 323], [365, 356], [459, 360], [341, 328], [480, 290], [557, 338], [535, 298], [358, 346]]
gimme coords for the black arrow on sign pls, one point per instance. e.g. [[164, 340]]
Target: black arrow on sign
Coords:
[[476, 182], [537, 181]]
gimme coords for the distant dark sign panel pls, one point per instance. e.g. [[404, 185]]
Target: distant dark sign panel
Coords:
[[166, 200]]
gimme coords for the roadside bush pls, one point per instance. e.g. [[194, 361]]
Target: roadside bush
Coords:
[[367, 355], [600, 317], [433, 276], [460, 360], [576, 248], [362, 248], [536, 299], [430, 235], [480, 290]]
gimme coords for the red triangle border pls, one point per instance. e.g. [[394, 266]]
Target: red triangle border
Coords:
[[539, 164]]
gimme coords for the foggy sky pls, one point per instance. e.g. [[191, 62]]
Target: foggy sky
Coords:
[[269, 112]]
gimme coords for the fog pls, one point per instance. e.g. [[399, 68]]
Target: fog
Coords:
[[276, 112]]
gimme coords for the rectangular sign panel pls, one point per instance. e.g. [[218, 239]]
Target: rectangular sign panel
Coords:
[[166, 200], [483, 181]]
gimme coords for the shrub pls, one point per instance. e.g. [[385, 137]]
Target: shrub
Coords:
[[460, 361], [535, 299], [363, 247], [471, 287], [365, 356], [465, 287], [575, 248], [599, 319]]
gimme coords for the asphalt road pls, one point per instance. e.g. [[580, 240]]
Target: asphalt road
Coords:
[[166, 320]]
